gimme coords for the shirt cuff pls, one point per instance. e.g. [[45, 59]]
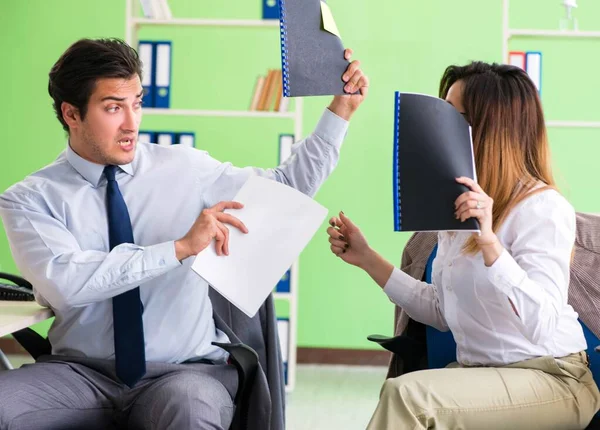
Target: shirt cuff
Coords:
[[505, 273], [332, 128], [400, 287], [163, 255]]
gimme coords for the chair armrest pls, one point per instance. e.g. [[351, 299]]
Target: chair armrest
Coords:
[[35, 344]]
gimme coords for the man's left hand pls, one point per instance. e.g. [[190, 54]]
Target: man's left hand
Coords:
[[356, 82]]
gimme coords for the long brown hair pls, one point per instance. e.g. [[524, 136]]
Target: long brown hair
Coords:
[[510, 144]]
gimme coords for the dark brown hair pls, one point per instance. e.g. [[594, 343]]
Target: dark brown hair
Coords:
[[73, 77]]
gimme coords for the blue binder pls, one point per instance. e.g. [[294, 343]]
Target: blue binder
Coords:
[[270, 9], [533, 67], [165, 138], [283, 331], [147, 137], [162, 75], [283, 286], [147, 53], [186, 139]]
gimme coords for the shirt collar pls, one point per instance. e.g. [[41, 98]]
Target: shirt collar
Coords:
[[92, 172]]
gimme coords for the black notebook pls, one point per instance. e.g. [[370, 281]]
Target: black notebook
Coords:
[[312, 58], [432, 147]]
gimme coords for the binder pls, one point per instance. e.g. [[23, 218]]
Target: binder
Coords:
[[165, 138], [283, 330], [270, 9], [186, 139], [432, 147], [312, 57], [285, 147], [533, 67], [147, 55], [162, 75], [517, 58], [146, 137], [283, 286]]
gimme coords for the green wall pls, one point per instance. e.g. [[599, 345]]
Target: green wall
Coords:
[[402, 45]]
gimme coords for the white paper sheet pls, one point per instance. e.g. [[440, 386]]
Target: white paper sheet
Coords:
[[280, 221]]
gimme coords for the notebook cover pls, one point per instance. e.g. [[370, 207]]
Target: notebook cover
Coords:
[[432, 147], [312, 58]]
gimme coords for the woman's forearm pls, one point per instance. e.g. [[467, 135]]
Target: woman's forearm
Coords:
[[377, 267]]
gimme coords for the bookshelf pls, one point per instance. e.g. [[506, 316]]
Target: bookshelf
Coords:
[[509, 33], [133, 22], [219, 113]]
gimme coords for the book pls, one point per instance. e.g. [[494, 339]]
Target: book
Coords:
[[432, 147], [262, 102], [258, 88], [281, 221], [271, 89], [312, 53]]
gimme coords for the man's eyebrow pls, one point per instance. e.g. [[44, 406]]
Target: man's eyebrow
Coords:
[[121, 99], [117, 99]]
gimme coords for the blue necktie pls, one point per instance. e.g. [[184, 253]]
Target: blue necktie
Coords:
[[130, 357]]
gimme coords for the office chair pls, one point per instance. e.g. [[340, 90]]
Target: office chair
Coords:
[[244, 358], [426, 347]]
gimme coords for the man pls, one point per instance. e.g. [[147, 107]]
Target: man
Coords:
[[105, 234]]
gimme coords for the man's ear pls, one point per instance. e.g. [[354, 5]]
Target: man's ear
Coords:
[[70, 114]]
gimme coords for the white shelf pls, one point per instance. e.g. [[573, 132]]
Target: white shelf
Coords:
[[508, 33], [282, 296], [553, 33], [573, 124], [219, 113], [191, 22]]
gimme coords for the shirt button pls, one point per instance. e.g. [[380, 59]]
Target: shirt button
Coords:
[[449, 287], [162, 262]]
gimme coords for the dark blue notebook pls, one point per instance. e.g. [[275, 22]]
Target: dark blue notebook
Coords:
[[432, 147], [312, 58]]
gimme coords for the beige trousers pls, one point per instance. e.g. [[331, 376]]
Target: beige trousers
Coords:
[[542, 393]]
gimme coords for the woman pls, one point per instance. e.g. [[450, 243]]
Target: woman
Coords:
[[503, 293]]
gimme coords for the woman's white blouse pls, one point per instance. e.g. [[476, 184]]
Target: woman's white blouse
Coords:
[[472, 300]]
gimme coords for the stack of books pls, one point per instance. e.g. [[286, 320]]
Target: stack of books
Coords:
[[268, 93]]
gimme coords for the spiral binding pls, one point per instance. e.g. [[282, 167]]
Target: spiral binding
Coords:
[[396, 188], [285, 74]]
